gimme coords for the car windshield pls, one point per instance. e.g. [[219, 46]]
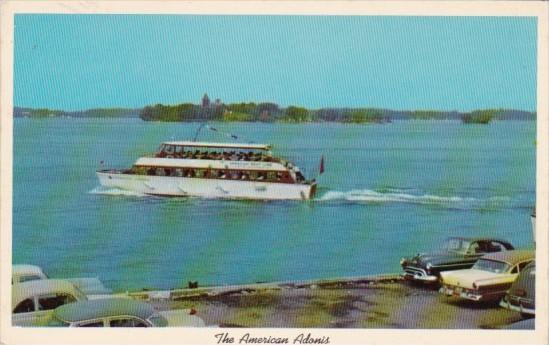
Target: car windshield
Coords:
[[491, 266], [458, 245], [158, 321]]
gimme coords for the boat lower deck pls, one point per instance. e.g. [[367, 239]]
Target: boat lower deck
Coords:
[[207, 188]]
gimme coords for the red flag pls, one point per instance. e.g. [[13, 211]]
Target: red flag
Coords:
[[321, 170]]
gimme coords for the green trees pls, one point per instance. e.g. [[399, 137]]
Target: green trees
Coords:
[[297, 114], [480, 116], [365, 116]]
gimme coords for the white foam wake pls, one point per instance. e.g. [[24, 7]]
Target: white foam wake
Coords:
[[115, 191], [372, 196]]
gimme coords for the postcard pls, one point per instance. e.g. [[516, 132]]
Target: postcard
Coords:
[[262, 172]]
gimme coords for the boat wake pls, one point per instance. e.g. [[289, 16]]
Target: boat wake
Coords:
[[115, 191], [396, 196]]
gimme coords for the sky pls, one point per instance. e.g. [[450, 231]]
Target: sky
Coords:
[[76, 62]]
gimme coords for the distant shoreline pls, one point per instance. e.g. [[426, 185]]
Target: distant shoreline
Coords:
[[270, 112]]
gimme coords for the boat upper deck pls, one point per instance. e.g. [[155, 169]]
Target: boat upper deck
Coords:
[[232, 146], [217, 151]]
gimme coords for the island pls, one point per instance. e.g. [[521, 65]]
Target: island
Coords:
[[217, 110]]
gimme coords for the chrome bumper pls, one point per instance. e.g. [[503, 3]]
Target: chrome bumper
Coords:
[[518, 308], [415, 273], [455, 291]]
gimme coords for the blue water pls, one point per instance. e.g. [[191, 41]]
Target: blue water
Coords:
[[388, 191]]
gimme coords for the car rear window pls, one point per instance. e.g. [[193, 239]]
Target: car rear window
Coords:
[[27, 278], [491, 266]]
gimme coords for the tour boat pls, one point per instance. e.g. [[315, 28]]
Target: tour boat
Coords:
[[213, 170]]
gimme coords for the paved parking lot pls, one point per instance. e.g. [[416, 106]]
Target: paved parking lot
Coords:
[[392, 304]]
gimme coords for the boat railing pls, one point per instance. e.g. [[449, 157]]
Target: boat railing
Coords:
[[234, 157]]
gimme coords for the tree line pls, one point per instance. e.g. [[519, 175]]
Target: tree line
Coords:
[[271, 112]]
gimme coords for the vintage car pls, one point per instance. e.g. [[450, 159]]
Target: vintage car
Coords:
[[33, 302], [489, 278], [521, 296], [456, 253], [121, 312], [92, 287]]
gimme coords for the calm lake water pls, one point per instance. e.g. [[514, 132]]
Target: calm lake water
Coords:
[[388, 191]]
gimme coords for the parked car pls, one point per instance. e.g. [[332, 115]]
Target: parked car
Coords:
[[32, 302], [23, 273], [92, 287], [121, 312], [521, 296], [456, 253], [489, 278]]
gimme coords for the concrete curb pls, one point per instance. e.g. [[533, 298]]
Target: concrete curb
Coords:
[[180, 294]]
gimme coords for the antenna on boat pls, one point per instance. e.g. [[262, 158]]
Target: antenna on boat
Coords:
[[198, 131]]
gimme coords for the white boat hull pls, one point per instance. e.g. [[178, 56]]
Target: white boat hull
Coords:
[[207, 188]]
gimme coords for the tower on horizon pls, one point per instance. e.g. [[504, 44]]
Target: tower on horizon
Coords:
[[205, 101]]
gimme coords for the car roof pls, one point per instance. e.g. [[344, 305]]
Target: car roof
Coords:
[[473, 239], [26, 269], [512, 256], [22, 291], [100, 308]]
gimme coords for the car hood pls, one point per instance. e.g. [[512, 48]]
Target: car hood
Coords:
[[182, 318], [466, 278], [435, 258]]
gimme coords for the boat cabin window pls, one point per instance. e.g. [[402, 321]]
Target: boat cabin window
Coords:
[[244, 175]]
